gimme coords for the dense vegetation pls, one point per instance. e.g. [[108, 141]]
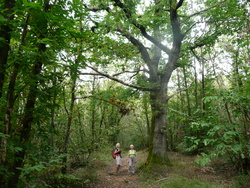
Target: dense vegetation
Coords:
[[77, 76]]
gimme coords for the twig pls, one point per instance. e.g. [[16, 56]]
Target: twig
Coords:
[[161, 179], [202, 11]]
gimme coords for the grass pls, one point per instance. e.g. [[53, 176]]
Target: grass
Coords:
[[242, 181], [186, 174], [177, 181]]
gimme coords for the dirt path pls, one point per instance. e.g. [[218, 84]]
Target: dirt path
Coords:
[[109, 179]]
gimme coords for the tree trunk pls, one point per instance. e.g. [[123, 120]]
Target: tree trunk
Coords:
[[93, 114], [66, 139], [52, 123], [180, 93], [70, 114], [196, 87], [159, 98], [203, 107], [159, 105], [146, 112], [187, 92], [26, 122], [244, 162], [240, 87], [5, 35], [159, 122], [11, 98]]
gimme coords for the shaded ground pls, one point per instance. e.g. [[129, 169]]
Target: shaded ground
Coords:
[[108, 178]]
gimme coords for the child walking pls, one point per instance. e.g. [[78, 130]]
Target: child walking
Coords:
[[132, 160]]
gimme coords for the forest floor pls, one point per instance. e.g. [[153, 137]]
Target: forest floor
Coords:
[[108, 178], [183, 174]]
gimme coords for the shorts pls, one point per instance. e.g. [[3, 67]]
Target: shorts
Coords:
[[118, 160]]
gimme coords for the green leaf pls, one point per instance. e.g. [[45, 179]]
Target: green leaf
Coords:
[[203, 160], [210, 99], [2, 18], [4, 135], [13, 148], [208, 141]]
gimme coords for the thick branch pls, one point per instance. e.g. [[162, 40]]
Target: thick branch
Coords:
[[114, 75], [121, 82], [142, 49], [136, 72], [177, 35], [89, 73], [151, 39], [95, 9], [179, 4]]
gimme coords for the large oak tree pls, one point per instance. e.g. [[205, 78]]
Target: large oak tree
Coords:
[[162, 32]]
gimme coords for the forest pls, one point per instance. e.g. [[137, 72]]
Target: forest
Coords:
[[171, 77]]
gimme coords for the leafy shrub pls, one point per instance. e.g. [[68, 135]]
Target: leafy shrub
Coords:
[[223, 140]]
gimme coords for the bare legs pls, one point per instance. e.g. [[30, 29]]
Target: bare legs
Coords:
[[117, 168]]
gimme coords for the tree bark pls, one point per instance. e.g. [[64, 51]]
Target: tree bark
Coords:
[[187, 92], [27, 121], [146, 112], [11, 97], [203, 106], [70, 114], [5, 34], [159, 122], [93, 114], [196, 87], [52, 123]]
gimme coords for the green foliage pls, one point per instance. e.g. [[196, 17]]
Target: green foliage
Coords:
[[48, 174], [226, 141], [204, 160], [35, 171], [137, 131], [197, 139], [2, 135]]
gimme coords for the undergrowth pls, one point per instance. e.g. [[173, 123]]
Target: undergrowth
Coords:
[[186, 174]]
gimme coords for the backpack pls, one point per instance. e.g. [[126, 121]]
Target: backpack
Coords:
[[113, 153]]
